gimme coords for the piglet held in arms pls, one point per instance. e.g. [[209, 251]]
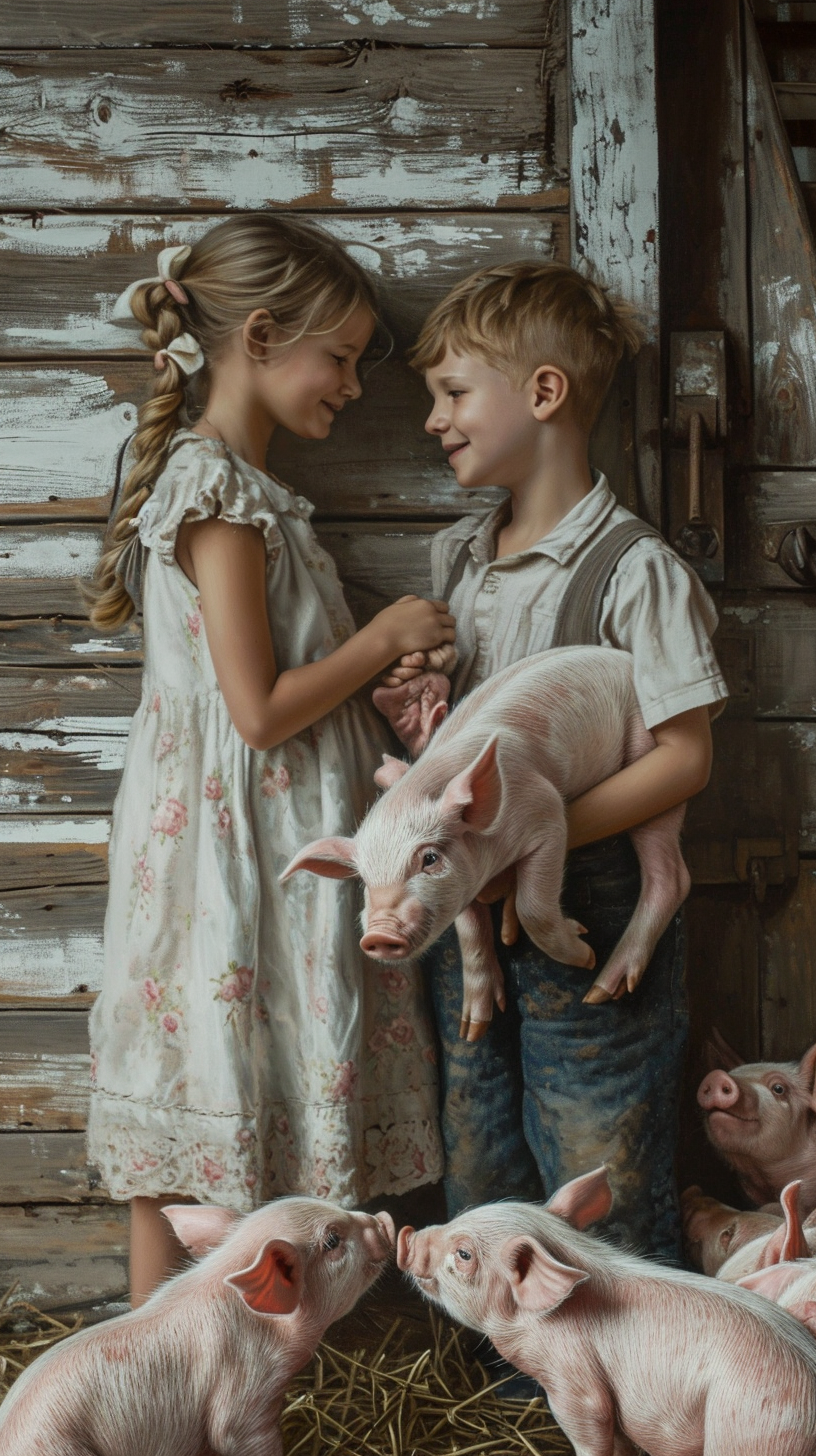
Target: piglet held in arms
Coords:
[[201, 1368], [632, 1355], [489, 791], [761, 1118]]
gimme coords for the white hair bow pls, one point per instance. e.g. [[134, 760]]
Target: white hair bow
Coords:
[[169, 260], [183, 350]]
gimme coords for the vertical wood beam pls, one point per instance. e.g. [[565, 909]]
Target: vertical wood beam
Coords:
[[614, 176]]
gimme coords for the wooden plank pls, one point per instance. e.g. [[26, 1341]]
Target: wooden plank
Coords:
[[63, 272], [614, 188], [723, 994], [51, 946], [274, 128], [47, 1167], [790, 51], [62, 1257], [45, 850], [41, 565], [275, 22], [776, 11], [53, 700], [772, 502], [783, 272], [789, 967], [44, 1071], [764, 645], [797, 100], [41, 772], [52, 641], [378, 460]]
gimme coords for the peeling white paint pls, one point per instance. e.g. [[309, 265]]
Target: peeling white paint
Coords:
[[60, 555], [100, 646], [36, 966], [105, 754], [47, 830], [746, 615], [76, 724], [60, 430]]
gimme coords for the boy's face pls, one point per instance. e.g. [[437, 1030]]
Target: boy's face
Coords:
[[487, 427]]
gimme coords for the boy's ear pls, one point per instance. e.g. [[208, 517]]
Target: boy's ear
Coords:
[[550, 389]]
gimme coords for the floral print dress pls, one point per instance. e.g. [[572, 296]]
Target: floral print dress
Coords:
[[242, 1045]]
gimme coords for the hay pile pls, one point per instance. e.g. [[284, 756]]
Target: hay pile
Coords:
[[396, 1401], [439, 1402], [24, 1333]]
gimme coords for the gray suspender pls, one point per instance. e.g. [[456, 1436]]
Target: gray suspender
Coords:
[[578, 622]]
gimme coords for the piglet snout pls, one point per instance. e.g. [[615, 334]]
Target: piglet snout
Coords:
[[718, 1092], [384, 945]]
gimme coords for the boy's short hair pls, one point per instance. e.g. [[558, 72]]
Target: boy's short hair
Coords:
[[519, 316]]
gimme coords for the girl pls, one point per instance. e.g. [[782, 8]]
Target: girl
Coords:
[[241, 1049]]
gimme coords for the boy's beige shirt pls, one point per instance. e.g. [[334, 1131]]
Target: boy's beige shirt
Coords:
[[655, 606]]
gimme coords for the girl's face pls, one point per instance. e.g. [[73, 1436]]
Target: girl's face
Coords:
[[304, 387]]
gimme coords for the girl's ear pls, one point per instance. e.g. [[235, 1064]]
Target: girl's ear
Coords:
[[258, 333]]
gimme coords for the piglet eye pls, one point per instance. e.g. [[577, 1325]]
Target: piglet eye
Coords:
[[778, 1089], [464, 1254], [332, 1240], [429, 858]]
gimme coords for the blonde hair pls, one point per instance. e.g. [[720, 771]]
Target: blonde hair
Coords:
[[519, 316], [303, 277]]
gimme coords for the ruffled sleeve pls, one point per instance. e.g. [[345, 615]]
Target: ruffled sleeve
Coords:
[[202, 479]]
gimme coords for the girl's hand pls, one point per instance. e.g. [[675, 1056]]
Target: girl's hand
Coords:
[[410, 665], [413, 624]]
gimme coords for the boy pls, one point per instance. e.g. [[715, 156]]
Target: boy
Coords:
[[518, 359]]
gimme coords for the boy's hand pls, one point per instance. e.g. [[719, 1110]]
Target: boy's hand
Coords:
[[503, 886]]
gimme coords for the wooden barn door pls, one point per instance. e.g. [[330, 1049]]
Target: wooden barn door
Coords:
[[431, 139], [739, 270]]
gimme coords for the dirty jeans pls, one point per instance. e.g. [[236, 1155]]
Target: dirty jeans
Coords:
[[557, 1087]]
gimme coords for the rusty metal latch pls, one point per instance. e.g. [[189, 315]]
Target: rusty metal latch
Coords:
[[697, 422], [697, 539], [763, 862], [797, 554]]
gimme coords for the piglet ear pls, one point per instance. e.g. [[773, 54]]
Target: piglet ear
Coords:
[[274, 1283], [583, 1200], [788, 1242], [719, 1056], [538, 1281], [473, 797], [807, 1072], [805, 1312], [200, 1227], [393, 769], [772, 1282], [334, 859]]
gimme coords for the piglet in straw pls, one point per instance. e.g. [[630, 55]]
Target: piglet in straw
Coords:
[[489, 791], [731, 1242], [201, 1369], [632, 1355]]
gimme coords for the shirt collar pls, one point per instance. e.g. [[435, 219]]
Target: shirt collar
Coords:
[[562, 544]]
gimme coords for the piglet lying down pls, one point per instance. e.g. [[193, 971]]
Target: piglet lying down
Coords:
[[201, 1368], [488, 792], [631, 1355]]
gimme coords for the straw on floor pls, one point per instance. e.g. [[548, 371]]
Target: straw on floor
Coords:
[[392, 1401]]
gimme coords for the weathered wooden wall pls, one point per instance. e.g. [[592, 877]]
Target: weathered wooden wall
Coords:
[[430, 138]]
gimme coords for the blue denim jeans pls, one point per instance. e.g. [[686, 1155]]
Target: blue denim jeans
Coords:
[[557, 1087]]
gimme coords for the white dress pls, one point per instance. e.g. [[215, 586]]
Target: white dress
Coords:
[[242, 1045]]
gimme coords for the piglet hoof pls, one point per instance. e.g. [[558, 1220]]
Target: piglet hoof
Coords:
[[472, 1030], [415, 709], [596, 996]]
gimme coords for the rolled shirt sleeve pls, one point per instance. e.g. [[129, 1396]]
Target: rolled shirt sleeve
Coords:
[[657, 609]]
